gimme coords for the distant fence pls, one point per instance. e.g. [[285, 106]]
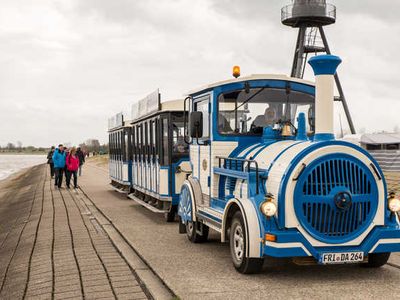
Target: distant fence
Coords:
[[389, 160]]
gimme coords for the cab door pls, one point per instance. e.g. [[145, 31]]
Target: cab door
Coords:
[[200, 149]]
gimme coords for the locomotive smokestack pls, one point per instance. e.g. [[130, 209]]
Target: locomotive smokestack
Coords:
[[324, 67]]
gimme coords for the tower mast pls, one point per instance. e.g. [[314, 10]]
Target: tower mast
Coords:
[[310, 16]]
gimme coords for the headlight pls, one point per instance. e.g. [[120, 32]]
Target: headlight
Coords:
[[394, 204], [268, 208]]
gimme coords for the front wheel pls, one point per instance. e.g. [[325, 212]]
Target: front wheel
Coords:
[[238, 246], [376, 260]]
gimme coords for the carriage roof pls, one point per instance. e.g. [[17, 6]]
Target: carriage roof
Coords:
[[171, 105], [252, 77]]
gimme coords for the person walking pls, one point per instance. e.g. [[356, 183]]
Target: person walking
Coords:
[[81, 157], [66, 151], [72, 163], [50, 161], [59, 165]]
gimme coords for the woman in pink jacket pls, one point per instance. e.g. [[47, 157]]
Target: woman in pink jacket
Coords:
[[72, 163]]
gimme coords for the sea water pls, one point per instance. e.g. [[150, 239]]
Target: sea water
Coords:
[[10, 163]]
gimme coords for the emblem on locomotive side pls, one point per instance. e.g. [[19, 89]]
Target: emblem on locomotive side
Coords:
[[204, 164]]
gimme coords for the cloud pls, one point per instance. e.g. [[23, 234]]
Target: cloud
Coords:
[[66, 66]]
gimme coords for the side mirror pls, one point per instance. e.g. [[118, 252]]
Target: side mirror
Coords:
[[196, 124]]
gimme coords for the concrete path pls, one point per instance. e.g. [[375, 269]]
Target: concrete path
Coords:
[[204, 271], [51, 246]]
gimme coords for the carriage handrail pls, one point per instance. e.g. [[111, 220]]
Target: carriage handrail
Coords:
[[186, 119], [243, 169]]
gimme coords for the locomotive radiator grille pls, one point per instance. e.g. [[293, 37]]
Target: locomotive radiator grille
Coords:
[[333, 173], [336, 198], [331, 222]]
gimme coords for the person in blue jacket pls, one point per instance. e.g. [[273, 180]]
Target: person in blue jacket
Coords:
[[59, 165]]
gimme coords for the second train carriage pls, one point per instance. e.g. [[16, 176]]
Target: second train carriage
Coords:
[[120, 154], [160, 157]]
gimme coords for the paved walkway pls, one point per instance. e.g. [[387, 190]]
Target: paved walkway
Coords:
[[205, 271], [51, 247]]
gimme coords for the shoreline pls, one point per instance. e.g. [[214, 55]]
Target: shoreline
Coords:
[[23, 153], [5, 182]]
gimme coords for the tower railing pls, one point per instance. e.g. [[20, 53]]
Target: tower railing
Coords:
[[316, 9]]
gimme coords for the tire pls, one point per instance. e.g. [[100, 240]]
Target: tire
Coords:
[[238, 246], [192, 232], [170, 216], [377, 260]]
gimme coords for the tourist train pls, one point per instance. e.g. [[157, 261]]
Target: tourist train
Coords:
[[258, 162]]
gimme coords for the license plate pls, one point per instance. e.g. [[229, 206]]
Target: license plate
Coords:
[[341, 258]]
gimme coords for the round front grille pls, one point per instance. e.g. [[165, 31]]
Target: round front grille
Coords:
[[336, 198]]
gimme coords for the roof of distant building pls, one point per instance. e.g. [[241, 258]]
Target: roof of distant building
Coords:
[[380, 138]]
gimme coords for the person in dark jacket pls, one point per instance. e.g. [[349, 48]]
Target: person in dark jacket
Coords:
[[81, 157], [50, 161], [59, 165]]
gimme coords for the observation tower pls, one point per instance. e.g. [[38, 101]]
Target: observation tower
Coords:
[[310, 16]]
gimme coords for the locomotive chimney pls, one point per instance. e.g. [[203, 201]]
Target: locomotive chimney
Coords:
[[324, 67]]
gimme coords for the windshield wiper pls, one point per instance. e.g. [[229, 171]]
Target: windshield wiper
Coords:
[[247, 100]]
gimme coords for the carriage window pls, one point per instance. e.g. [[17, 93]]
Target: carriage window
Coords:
[[179, 147], [127, 154], [158, 141], [145, 141], [148, 136], [153, 140], [248, 112], [140, 143], [137, 143], [119, 145], [133, 143], [203, 107], [165, 148], [109, 145], [116, 145], [113, 144]]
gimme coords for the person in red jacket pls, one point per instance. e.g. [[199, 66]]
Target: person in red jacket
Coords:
[[72, 163]]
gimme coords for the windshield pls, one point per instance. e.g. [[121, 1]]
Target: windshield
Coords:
[[249, 111]]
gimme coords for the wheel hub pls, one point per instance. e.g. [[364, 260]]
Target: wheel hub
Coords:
[[238, 243]]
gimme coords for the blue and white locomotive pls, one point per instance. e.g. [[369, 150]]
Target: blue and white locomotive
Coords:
[[269, 176]]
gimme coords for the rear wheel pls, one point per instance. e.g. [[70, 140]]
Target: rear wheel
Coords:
[[376, 260], [238, 246], [196, 232]]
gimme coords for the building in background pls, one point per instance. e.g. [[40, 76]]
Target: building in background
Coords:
[[385, 148]]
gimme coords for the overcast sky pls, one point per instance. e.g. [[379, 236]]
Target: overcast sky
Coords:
[[67, 65]]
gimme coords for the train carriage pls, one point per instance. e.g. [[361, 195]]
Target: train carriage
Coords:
[[269, 176], [160, 156], [120, 154]]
